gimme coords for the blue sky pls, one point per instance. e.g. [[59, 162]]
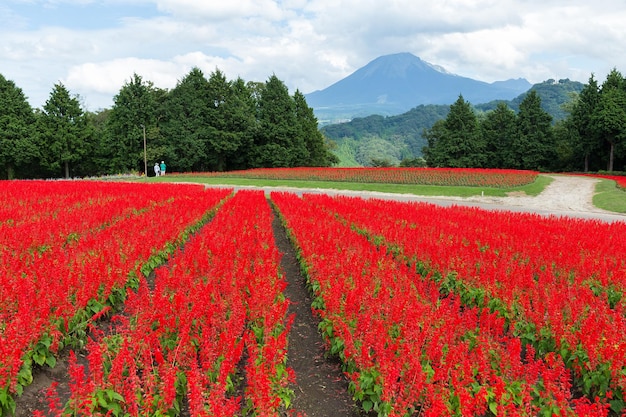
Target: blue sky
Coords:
[[31, 15], [94, 47]]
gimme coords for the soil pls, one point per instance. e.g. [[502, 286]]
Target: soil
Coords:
[[321, 387]]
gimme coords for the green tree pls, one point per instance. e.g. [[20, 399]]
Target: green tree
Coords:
[[610, 116], [499, 130], [231, 120], [585, 136], [98, 160], [435, 151], [565, 137], [381, 163], [465, 144], [418, 162], [277, 143], [64, 132], [319, 154], [135, 107], [187, 123], [458, 141], [240, 120], [534, 146], [17, 144]]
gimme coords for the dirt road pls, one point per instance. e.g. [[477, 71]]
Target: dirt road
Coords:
[[567, 195]]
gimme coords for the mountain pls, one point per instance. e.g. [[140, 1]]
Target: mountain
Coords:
[[393, 84], [398, 137]]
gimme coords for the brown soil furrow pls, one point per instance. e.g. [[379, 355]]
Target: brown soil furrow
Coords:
[[321, 388]]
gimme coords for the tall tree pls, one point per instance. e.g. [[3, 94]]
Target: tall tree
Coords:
[[230, 127], [17, 145], [64, 132], [97, 162], [610, 117], [240, 120], [135, 108], [277, 143], [466, 146], [458, 141], [534, 146], [319, 155], [499, 130], [187, 123], [435, 152], [585, 135]]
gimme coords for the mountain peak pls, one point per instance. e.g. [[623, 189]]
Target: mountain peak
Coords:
[[398, 65], [395, 83]]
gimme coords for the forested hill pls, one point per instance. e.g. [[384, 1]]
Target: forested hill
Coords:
[[391, 138], [554, 95], [394, 138]]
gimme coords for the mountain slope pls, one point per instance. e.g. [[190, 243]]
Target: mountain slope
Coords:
[[393, 84], [397, 137], [554, 95]]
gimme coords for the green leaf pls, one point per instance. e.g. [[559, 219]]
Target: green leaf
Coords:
[[367, 405], [6, 401], [102, 402], [25, 376], [51, 361], [39, 358]]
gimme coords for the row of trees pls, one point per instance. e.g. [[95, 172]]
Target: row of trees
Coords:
[[203, 124], [591, 137]]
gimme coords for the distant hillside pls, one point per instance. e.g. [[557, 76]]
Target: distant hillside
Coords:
[[394, 84], [391, 138], [554, 94], [394, 138]]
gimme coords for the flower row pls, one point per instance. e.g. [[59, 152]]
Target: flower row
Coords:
[[497, 178], [558, 283], [211, 328], [409, 343], [71, 272]]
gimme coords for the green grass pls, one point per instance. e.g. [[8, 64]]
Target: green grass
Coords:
[[424, 190], [609, 197]]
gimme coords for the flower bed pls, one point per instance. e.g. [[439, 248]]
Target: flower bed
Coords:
[[497, 178], [433, 341], [213, 330], [66, 274]]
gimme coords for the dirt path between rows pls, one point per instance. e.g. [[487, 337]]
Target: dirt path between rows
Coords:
[[321, 388]]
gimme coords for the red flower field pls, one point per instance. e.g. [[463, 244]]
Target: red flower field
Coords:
[[174, 296], [499, 178]]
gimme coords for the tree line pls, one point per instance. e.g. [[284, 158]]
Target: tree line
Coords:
[[591, 138], [202, 124], [398, 140]]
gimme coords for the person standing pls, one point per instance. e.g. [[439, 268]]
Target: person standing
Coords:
[[157, 169], [163, 168]]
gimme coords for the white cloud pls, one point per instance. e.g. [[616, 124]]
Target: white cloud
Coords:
[[309, 44], [221, 10], [109, 76]]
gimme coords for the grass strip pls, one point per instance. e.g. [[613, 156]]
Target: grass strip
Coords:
[[417, 189]]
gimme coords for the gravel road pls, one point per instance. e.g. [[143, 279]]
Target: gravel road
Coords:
[[567, 195]]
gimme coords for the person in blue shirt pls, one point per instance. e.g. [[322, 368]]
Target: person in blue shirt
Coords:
[[163, 167]]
